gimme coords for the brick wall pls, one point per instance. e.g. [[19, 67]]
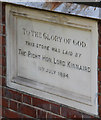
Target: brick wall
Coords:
[[2, 55], [16, 104], [99, 68]]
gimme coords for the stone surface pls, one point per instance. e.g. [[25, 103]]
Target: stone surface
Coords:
[[53, 55]]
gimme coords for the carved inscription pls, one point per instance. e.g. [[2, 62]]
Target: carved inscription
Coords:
[[53, 60], [54, 54], [53, 38]]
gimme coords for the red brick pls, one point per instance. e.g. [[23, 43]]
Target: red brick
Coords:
[[26, 99], [90, 117], [99, 51], [0, 111], [99, 75], [99, 63], [3, 19], [99, 99], [2, 81], [0, 29], [1, 90], [0, 100], [2, 13], [55, 108], [27, 110], [13, 105], [100, 111], [99, 25], [99, 89], [100, 39], [3, 61], [70, 113], [0, 70], [41, 103], [2, 51], [41, 114], [11, 114], [99, 31], [5, 102], [50, 116], [2, 40], [0, 18], [12, 94], [3, 111], [3, 29], [3, 71]]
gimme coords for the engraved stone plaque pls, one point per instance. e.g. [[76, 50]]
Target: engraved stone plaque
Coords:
[[53, 56]]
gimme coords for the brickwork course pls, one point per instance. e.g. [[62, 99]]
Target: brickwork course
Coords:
[[17, 104]]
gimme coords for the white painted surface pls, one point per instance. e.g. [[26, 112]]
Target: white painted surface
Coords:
[[65, 7], [26, 72]]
